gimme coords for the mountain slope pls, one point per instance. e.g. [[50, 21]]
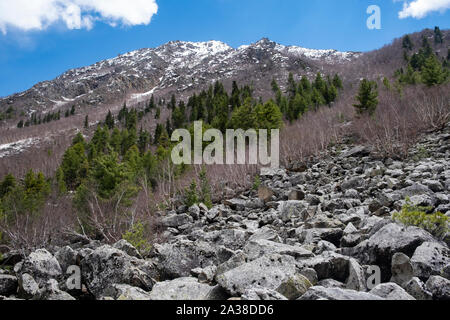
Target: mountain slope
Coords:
[[174, 67]]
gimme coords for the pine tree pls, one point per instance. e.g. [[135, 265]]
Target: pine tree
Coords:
[[367, 97], [20, 124], [72, 111], [60, 181], [75, 165], [143, 141], [438, 37], [268, 116], [86, 122], [243, 117], [292, 86], [7, 185], [432, 72], [337, 82], [158, 113], [205, 189], [407, 43], [109, 121]]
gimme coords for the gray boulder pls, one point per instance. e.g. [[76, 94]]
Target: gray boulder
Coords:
[[126, 292], [430, 259], [292, 209], [52, 292], [391, 291], [294, 287], [439, 288], [28, 287], [322, 293], [356, 279], [258, 248], [401, 269], [416, 288], [391, 239], [176, 220], [267, 272], [8, 285], [125, 246], [66, 257], [107, 265], [186, 289], [42, 266], [177, 259], [262, 294]]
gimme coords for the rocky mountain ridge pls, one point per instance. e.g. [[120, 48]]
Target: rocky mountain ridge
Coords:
[[175, 67], [319, 233]]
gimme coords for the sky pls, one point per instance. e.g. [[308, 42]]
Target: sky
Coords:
[[40, 39]]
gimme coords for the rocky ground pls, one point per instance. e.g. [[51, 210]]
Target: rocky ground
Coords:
[[318, 233]]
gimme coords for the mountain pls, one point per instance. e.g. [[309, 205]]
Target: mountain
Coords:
[[176, 67]]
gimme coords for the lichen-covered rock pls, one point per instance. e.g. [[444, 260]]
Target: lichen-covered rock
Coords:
[[322, 293], [126, 292], [125, 246], [439, 288], [391, 291], [389, 240], [416, 288], [268, 272], [8, 285], [107, 265], [262, 294], [430, 259], [258, 248], [42, 266], [186, 289], [401, 269], [294, 287]]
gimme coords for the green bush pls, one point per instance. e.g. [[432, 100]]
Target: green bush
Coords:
[[135, 236], [437, 223], [191, 195]]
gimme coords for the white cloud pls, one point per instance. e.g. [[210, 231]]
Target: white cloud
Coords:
[[420, 8], [29, 15]]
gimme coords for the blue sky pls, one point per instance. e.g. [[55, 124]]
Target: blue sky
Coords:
[[30, 53]]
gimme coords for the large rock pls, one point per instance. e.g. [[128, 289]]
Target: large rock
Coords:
[[268, 272], [329, 265], [128, 248], [294, 287], [430, 259], [178, 259], [42, 266], [322, 293], [186, 289], [66, 257], [28, 287], [416, 288], [8, 285], [292, 209], [356, 276], [262, 294], [176, 220], [390, 239], [52, 292], [391, 291], [107, 265], [439, 288], [258, 248], [401, 269], [126, 292]]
